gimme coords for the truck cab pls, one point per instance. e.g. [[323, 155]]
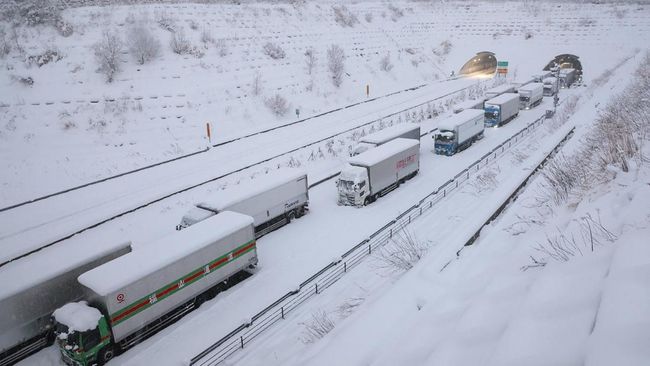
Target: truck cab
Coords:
[[445, 142], [353, 186], [83, 335], [492, 116]]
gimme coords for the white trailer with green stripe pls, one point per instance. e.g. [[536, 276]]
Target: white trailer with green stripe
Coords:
[[153, 286]]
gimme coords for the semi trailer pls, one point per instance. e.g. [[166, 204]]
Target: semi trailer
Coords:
[[273, 200], [378, 171], [468, 104], [567, 77], [502, 109], [39, 284], [530, 95], [131, 297], [538, 78], [550, 86], [459, 132], [404, 130], [498, 90]]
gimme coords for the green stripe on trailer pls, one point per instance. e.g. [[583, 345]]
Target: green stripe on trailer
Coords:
[[173, 287]]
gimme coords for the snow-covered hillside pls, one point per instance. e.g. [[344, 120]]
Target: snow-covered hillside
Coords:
[[70, 127]]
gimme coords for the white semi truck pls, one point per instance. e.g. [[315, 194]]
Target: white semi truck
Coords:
[[567, 77], [459, 132], [131, 297], [378, 171], [500, 110], [530, 95], [550, 86], [272, 200], [37, 285], [404, 130], [498, 90]]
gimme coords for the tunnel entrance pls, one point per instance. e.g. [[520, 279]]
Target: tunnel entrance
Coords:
[[483, 63], [566, 61]]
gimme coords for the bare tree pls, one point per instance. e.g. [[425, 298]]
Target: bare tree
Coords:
[[336, 64], [108, 53], [256, 88], [310, 60], [143, 45]]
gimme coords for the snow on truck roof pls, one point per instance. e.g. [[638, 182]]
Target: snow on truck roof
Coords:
[[531, 86], [224, 198], [389, 133], [77, 316], [148, 259], [503, 98], [458, 119], [52, 262], [379, 153]]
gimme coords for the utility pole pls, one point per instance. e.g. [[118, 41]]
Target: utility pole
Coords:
[[556, 98]]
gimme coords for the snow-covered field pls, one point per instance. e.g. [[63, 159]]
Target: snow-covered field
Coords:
[[160, 109]]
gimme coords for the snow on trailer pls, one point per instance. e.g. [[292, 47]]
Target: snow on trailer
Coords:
[[49, 275], [176, 268], [499, 90], [268, 198], [375, 156], [468, 104], [404, 130]]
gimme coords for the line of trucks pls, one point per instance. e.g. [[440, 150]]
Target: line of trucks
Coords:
[[124, 295]]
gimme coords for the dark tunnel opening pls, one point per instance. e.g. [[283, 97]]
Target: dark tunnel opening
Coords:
[[483, 63]]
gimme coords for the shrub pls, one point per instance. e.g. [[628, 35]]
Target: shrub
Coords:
[[222, 47], [179, 43], [108, 53], [274, 51], [385, 64], [277, 104], [5, 46], [344, 17], [50, 55], [143, 45]]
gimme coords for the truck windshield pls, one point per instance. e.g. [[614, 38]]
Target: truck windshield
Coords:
[[445, 136], [524, 99], [491, 114], [68, 340], [347, 185]]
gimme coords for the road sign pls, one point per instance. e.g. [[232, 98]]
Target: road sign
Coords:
[[502, 64]]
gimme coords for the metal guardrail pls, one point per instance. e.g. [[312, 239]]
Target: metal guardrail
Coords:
[[408, 111], [245, 333]]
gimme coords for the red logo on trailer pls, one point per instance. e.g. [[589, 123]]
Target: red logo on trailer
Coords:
[[120, 298], [405, 162]]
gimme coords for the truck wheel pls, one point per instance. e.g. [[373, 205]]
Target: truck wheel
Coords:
[[367, 201], [290, 216], [105, 355]]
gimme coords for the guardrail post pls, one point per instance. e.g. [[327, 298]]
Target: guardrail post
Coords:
[[241, 339], [369, 249], [282, 310], [444, 192], [456, 183], [409, 219], [345, 266], [430, 204], [391, 233], [467, 173], [316, 284], [420, 211]]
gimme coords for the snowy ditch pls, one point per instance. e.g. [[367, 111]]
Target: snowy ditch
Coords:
[[245, 333]]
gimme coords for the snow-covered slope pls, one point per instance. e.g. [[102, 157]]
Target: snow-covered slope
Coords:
[[70, 127]]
